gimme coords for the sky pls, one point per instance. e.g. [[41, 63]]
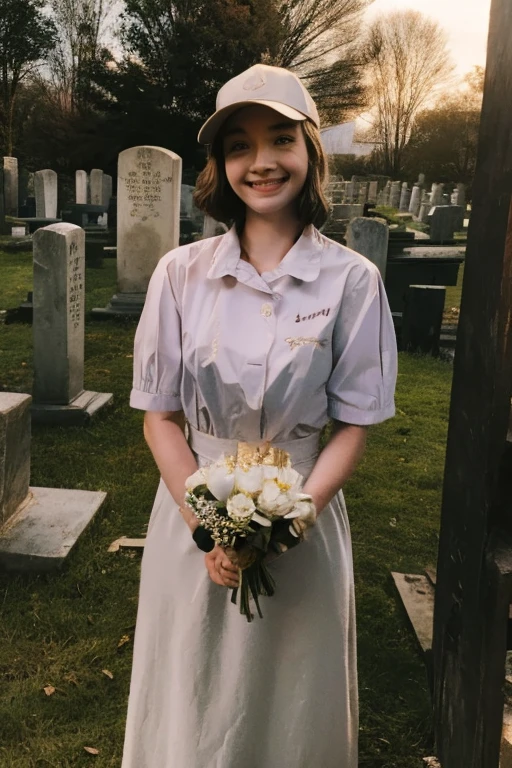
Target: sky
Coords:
[[465, 21]]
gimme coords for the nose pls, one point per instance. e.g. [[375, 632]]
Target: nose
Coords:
[[263, 159]]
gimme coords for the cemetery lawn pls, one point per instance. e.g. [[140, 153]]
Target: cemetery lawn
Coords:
[[72, 633]]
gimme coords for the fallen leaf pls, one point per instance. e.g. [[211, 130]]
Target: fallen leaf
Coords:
[[92, 750], [108, 673], [71, 678], [125, 639], [90, 620], [49, 690]]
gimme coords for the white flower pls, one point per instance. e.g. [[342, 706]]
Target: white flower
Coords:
[[240, 506], [304, 510], [220, 481], [269, 471], [273, 501], [249, 481], [289, 479], [198, 478]]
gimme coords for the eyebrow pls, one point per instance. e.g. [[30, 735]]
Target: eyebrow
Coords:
[[277, 127]]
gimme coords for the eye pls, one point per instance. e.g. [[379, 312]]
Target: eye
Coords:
[[237, 146], [285, 140]]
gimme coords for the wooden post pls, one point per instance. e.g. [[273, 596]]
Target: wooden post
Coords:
[[475, 564]]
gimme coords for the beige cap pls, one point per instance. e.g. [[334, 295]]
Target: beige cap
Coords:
[[273, 87]]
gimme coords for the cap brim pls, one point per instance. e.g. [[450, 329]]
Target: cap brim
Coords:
[[213, 124]]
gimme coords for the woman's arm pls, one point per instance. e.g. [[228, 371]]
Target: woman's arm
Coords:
[[165, 435], [336, 463]]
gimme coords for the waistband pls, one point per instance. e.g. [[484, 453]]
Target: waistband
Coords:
[[210, 447]]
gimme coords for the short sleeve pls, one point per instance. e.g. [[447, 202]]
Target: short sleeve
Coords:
[[361, 387], [157, 362]]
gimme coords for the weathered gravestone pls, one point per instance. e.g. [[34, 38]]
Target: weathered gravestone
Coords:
[[148, 222], [436, 194], [96, 186], [405, 197], [422, 319], [425, 207], [394, 195], [58, 328], [45, 187], [38, 526], [107, 189], [11, 186], [370, 237], [443, 220], [415, 201], [211, 227], [373, 189], [81, 187]]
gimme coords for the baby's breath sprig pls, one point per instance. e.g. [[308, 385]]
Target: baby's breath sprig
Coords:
[[213, 517]]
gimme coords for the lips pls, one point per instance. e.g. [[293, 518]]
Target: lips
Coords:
[[267, 183]]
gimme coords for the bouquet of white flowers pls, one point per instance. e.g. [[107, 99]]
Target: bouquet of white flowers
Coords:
[[251, 504]]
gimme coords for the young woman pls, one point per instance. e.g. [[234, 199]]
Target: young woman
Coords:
[[264, 333]]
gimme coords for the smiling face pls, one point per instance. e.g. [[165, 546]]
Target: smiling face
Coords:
[[266, 159]]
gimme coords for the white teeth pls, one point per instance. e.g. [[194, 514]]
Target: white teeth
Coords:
[[266, 183]]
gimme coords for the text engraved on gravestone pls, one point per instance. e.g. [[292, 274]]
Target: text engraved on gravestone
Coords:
[[144, 187], [75, 285]]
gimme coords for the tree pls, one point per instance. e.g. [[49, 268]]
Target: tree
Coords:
[[26, 37], [80, 24], [318, 41], [444, 139], [407, 60]]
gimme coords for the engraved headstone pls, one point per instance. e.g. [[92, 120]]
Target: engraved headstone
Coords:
[[148, 222], [45, 187], [415, 202], [58, 327], [81, 187], [425, 207], [11, 186], [386, 193], [38, 526], [443, 220], [96, 186], [369, 237]]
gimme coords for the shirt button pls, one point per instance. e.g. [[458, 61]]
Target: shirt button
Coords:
[[266, 310]]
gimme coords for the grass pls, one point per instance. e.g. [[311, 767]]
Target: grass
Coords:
[[64, 630]]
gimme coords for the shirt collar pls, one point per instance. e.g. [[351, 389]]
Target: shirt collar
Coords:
[[302, 260]]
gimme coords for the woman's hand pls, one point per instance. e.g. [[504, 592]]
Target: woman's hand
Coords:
[[220, 568]]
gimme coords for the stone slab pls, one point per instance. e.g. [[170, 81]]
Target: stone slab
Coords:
[[14, 452], [79, 411], [41, 535], [121, 305], [417, 594]]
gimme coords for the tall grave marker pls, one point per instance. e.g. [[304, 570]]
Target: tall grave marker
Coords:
[[96, 183], [58, 328], [81, 187], [45, 187], [148, 222], [11, 186]]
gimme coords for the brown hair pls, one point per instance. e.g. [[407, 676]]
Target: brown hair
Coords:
[[214, 196]]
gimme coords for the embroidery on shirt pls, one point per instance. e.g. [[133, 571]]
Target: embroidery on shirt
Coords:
[[323, 312], [300, 341]]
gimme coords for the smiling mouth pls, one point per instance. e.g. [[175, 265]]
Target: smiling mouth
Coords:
[[268, 183]]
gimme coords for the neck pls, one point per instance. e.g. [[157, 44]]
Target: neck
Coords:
[[267, 240]]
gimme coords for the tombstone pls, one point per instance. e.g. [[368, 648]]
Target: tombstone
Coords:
[[425, 207], [350, 191], [81, 187], [443, 221], [387, 193], [188, 208], [11, 186], [38, 526], [346, 211], [58, 328], [363, 192], [405, 197], [373, 189], [212, 228], [415, 201], [369, 237], [45, 186], [148, 222], [394, 195], [436, 194], [422, 319], [460, 200], [107, 189], [3, 226], [96, 186], [421, 180]]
